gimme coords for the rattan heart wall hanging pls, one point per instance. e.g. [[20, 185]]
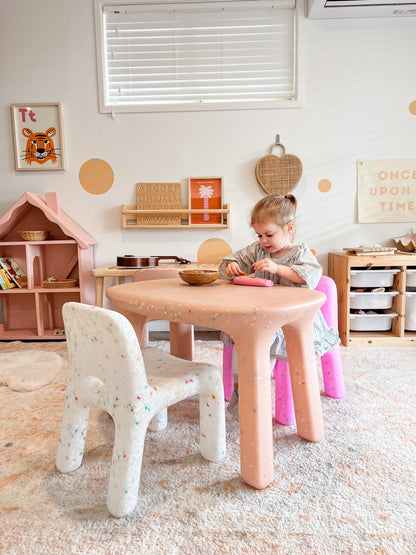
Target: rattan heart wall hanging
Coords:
[[278, 175]]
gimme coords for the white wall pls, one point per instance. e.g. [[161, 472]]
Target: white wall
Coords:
[[359, 79]]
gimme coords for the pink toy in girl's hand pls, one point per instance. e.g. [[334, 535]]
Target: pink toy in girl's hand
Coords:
[[258, 282]]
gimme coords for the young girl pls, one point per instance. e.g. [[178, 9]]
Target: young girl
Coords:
[[275, 257]]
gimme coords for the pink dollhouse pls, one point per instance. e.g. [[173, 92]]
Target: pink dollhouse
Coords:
[[35, 311]]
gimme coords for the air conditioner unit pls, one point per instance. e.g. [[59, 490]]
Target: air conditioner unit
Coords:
[[345, 9]]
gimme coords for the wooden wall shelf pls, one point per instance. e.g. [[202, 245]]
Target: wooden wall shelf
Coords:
[[129, 217]]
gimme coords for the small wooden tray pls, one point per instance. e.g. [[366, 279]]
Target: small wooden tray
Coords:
[[362, 251], [59, 283]]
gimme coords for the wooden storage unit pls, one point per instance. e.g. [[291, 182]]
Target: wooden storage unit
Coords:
[[339, 269], [35, 312]]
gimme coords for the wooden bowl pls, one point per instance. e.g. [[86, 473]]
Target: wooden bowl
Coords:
[[199, 277]]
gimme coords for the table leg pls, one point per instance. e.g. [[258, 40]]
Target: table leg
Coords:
[[99, 290], [254, 386], [139, 323], [304, 379], [182, 340], [144, 340]]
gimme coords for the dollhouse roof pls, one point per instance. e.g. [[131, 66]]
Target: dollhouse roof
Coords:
[[49, 206]]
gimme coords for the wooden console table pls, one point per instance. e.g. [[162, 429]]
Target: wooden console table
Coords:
[[121, 273]]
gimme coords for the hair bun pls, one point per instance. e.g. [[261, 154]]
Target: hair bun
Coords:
[[292, 199]]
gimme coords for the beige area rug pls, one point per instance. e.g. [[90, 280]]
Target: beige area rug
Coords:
[[352, 493], [28, 370]]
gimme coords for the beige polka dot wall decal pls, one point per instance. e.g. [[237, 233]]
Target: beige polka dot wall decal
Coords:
[[412, 107], [324, 185], [96, 176]]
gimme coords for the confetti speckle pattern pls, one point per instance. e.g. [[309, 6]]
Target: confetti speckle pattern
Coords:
[[107, 368]]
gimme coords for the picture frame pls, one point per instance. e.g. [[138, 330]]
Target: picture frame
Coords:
[[205, 192], [38, 136]]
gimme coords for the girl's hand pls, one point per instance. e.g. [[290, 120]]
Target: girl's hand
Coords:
[[265, 265], [233, 269]]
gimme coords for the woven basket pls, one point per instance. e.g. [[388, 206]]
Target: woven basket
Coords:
[[33, 235], [53, 283], [278, 175]]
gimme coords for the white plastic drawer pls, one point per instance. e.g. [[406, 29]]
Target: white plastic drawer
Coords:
[[372, 322], [410, 312], [372, 300], [411, 277], [373, 278]]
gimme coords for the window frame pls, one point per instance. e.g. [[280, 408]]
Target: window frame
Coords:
[[296, 102]]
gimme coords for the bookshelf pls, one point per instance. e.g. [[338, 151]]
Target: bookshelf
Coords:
[[35, 312]]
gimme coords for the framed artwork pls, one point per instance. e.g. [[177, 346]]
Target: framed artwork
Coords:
[[205, 192], [38, 138], [386, 190]]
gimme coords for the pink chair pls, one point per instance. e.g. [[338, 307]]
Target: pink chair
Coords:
[[331, 364]]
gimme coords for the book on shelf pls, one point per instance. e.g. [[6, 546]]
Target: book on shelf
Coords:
[[5, 282], [13, 271]]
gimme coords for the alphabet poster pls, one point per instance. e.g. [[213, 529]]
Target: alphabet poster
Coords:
[[159, 196], [386, 191]]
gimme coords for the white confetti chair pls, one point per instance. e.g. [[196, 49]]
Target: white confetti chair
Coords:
[[107, 368]]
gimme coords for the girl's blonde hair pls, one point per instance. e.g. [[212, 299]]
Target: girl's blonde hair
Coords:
[[276, 208]]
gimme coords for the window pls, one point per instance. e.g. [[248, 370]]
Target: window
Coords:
[[196, 55]]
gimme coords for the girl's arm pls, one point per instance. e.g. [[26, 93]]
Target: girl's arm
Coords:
[[307, 266], [286, 272], [302, 268], [244, 258]]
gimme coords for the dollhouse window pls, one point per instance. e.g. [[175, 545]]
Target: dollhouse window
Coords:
[[199, 55]]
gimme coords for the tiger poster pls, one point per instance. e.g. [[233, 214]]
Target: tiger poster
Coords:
[[37, 130]]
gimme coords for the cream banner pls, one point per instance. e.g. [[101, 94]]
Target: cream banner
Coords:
[[386, 191]]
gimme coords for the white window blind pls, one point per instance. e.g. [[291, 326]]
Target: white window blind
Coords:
[[208, 54]]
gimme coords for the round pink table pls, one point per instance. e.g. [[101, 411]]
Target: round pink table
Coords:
[[251, 316]]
